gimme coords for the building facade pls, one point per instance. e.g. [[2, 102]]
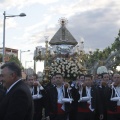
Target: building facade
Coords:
[[8, 52]]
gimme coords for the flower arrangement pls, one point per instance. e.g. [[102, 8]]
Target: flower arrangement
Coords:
[[68, 68]]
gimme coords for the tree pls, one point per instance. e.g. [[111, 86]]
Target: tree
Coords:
[[12, 58], [0, 57], [109, 57]]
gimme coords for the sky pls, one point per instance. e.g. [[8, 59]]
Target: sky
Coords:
[[97, 22]]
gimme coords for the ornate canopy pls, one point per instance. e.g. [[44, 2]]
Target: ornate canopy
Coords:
[[63, 36]]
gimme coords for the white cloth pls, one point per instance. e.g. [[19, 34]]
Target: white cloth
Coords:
[[38, 95], [60, 94], [88, 92], [38, 90], [60, 97], [118, 91]]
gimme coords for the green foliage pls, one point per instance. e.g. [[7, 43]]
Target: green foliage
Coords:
[[98, 55], [13, 58], [0, 57]]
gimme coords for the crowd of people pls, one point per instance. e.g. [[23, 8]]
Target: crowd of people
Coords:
[[86, 98]]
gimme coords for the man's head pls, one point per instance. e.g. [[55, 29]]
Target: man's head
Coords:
[[35, 77], [53, 80], [105, 77], [81, 77], [88, 80], [116, 78], [11, 72], [99, 77], [59, 79]]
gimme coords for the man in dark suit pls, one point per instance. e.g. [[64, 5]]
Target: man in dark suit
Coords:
[[113, 102], [56, 108], [2, 90], [87, 99], [17, 103], [103, 93]]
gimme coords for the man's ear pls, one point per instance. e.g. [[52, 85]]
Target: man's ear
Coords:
[[13, 75]]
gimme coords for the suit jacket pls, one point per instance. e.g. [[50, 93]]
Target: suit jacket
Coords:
[[93, 99], [2, 92], [102, 99], [39, 103], [111, 105], [17, 104]]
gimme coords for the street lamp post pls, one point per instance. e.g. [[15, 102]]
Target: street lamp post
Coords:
[[5, 16], [27, 70], [26, 63], [21, 54]]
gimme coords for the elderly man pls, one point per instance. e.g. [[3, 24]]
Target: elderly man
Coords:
[[17, 104], [2, 90]]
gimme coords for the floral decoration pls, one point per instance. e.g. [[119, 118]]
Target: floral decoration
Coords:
[[68, 68]]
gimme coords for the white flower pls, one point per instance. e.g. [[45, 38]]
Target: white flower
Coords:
[[72, 68], [76, 67], [57, 71], [68, 68], [59, 66], [68, 71], [68, 75], [63, 68], [62, 73], [74, 75], [75, 70], [52, 72], [55, 63]]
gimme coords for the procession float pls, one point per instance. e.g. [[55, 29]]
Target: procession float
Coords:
[[62, 54]]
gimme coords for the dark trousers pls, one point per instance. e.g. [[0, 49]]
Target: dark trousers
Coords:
[[85, 115], [58, 117], [97, 116], [38, 107], [73, 115], [113, 117]]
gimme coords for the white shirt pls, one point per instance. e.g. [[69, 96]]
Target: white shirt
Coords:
[[60, 94], [88, 92], [60, 97], [12, 86], [118, 91]]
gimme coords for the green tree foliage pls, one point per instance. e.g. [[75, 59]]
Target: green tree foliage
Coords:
[[0, 57], [109, 56], [12, 58]]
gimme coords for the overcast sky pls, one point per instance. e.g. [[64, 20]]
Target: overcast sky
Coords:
[[95, 21]]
